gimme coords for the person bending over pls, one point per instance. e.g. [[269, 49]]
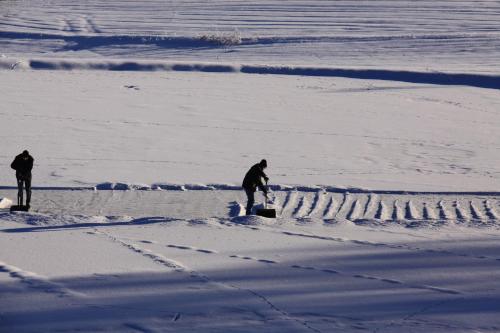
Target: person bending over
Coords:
[[252, 180]]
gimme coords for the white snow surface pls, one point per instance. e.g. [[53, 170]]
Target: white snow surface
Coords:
[[379, 121], [183, 261], [91, 127], [429, 35]]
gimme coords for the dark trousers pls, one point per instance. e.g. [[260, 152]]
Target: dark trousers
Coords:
[[251, 200], [21, 183]]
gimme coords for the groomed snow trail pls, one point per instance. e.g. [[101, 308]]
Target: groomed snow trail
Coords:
[[432, 35]]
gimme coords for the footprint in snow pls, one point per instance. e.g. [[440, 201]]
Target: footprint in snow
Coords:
[[131, 87]]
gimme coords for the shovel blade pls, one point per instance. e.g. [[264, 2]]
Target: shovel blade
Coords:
[[19, 208], [269, 213]]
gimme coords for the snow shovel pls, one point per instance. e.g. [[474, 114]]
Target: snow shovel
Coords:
[[265, 212], [19, 208]]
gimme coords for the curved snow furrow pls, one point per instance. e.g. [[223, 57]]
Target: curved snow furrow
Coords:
[[428, 213], [397, 212], [330, 209], [460, 212], [317, 205], [341, 212], [410, 211], [289, 204], [444, 214], [355, 211], [382, 212], [38, 282], [490, 211], [475, 212], [371, 206], [304, 207]]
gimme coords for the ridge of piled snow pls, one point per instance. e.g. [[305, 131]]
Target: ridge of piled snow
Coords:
[[429, 77]]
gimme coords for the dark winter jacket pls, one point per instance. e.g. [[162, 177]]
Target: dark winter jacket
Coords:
[[253, 179], [23, 164]]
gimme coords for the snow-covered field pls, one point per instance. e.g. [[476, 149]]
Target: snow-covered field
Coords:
[[379, 121]]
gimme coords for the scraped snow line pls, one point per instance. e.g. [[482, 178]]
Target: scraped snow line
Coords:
[[439, 78], [38, 282]]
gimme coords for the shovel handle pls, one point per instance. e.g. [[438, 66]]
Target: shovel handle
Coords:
[[265, 197]]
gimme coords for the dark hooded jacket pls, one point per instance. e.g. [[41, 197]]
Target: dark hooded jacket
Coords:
[[23, 164], [253, 179]]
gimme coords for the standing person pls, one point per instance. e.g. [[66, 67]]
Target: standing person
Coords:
[[252, 180], [23, 164]]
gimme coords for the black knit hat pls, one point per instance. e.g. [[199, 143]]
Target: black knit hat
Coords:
[[263, 163]]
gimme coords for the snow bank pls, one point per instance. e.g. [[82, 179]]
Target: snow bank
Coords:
[[161, 186], [273, 187], [439, 78], [122, 186], [5, 203]]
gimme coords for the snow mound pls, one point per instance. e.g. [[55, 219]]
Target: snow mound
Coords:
[[42, 220], [252, 220], [5, 203], [122, 186]]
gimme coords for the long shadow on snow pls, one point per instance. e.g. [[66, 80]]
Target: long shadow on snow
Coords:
[[243, 299], [76, 43], [138, 221]]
